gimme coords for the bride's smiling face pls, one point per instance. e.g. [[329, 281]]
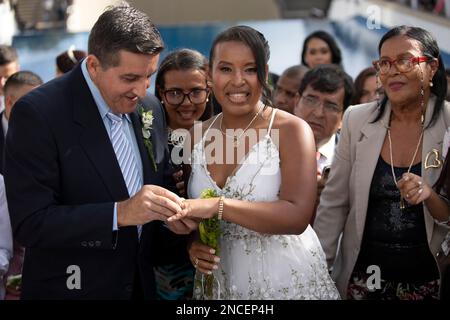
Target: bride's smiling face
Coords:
[[234, 78]]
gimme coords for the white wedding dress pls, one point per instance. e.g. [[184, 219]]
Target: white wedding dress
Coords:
[[254, 265]]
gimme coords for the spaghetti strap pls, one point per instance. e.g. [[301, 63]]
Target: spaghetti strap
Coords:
[[274, 110], [212, 123]]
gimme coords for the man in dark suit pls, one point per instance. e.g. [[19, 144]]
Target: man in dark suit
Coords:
[[9, 64], [16, 86], [80, 181]]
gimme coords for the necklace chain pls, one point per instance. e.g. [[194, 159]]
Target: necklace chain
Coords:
[[402, 203], [236, 139]]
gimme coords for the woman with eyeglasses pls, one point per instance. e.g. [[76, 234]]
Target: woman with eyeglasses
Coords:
[[182, 88], [388, 245]]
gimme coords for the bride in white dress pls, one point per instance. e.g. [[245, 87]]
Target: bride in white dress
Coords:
[[267, 248]]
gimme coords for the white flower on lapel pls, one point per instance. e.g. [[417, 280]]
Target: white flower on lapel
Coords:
[[147, 121], [446, 143]]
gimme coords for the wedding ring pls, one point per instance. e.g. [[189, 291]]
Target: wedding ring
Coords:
[[196, 262]]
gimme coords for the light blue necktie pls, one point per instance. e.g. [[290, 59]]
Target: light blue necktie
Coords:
[[125, 156]]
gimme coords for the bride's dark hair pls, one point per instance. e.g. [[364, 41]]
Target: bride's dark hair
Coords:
[[258, 45]]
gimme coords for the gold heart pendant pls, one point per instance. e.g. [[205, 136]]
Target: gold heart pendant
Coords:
[[432, 159]]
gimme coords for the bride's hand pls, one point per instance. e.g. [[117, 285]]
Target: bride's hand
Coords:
[[184, 226], [202, 257], [197, 208]]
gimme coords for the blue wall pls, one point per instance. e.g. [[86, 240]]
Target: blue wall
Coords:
[[359, 44]]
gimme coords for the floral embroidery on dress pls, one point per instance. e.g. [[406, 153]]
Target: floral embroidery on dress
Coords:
[[253, 265]]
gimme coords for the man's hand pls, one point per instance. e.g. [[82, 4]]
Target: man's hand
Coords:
[[150, 203], [184, 226]]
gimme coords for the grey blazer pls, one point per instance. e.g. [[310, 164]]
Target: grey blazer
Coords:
[[344, 201]]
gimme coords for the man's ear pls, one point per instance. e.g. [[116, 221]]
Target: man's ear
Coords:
[[93, 65], [9, 102]]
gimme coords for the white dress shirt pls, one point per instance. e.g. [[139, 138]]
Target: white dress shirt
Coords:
[[4, 124], [326, 153]]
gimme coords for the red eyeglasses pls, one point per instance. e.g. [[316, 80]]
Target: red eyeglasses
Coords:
[[402, 64]]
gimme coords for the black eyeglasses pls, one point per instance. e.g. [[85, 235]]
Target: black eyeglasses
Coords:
[[195, 96]]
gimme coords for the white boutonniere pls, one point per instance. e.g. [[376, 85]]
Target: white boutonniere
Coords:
[[147, 121], [446, 143]]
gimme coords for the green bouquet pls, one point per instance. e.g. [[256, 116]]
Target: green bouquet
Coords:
[[209, 230], [14, 282]]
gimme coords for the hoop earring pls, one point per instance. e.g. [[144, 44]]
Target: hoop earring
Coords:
[[377, 79]]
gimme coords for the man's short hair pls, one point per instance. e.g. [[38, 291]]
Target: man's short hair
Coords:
[[21, 78], [7, 55], [295, 72], [126, 28], [328, 78]]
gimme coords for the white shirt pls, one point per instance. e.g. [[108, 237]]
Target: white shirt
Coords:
[[327, 153], [2, 103], [4, 124]]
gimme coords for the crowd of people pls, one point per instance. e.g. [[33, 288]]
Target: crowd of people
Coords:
[[313, 180]]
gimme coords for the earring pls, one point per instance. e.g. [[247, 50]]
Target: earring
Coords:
[[162, 102], [207, 99], [422, 99], [377, 79]]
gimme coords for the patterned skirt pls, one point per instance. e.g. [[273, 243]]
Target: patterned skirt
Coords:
[[391, 290]]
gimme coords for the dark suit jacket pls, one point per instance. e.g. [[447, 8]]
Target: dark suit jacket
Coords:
[[62, 179], [2, 143]]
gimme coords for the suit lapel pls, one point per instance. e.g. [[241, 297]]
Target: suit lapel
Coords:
[[94, 138], [146, 163], [432, 140], [368, 151], [2, 143]]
